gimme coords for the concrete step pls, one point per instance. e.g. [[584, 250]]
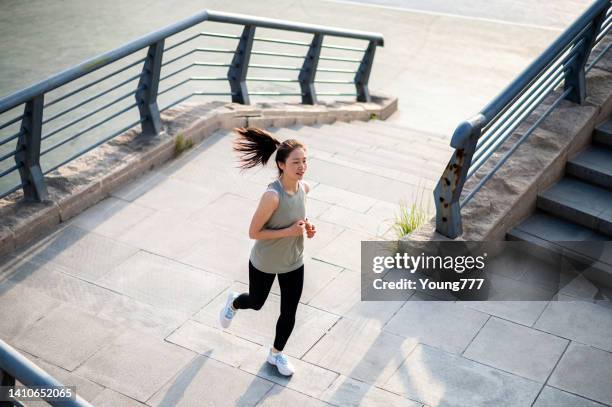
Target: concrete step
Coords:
[[579, 202], [603, 133], [416, 146], [399, 134], [593, 165], [550, 234]]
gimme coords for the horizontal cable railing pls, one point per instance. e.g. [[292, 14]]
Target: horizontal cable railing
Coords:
[[477, 139], [53, 122], [16, 367]]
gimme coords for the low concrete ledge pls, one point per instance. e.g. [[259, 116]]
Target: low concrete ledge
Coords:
[[510, 195], [87, 180]]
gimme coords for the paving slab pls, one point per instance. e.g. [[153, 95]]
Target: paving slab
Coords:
[[207, 382], [552, 397], [326, 233], [213, 342], [350, 392], [521, 312], [360, 350], [162, 233], [342, 296], [585, 371], [21, 307], [165, 283], [309, 378], [281, 396], [110, 398], [111, 217], [229, 211], [341, 197], [317, 276], [260, 326], [135, 364], [516, 349], [84, 388], [438, 378], [219, 250], [79, 252], [179, 196], [354, 220], [344, 250], [442, 324], [70, 335], [580, 321]]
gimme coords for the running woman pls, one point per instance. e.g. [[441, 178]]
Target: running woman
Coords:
[[278, 226]]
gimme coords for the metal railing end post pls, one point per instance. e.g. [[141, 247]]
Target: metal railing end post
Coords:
[[448, 189], [309, 71], [362, 76], [28, 151], [146, 95], [237, 73], [576, 79]]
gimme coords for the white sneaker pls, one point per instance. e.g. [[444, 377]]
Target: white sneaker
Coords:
[[281, 362], [227, 313]]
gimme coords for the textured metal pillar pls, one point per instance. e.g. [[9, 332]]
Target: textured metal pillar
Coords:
[[237, 73], [577, 77], [363, 73], [28, 155], [449, 187], [147, 96], [309, 70]]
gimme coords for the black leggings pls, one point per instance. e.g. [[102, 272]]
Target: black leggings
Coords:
[[260, 284]]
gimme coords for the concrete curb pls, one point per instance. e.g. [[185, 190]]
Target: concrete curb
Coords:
[[91, 178]]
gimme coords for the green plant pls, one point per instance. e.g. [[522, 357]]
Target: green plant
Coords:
[[411, 216], [373, 116], [181, 144]]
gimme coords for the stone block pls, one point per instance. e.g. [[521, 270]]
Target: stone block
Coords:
[[516, 349], [136, 365], [437, 378], [585, 371]]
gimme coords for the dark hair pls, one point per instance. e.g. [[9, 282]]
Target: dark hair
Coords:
[[255, 146]]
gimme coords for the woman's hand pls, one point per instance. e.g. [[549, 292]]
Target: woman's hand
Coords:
[[310, 229], [298, 228]]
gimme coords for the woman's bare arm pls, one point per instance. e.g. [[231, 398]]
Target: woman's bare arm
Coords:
[[267, 205]]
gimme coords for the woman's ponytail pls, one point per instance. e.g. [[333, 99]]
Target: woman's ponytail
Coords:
[[255, 146]]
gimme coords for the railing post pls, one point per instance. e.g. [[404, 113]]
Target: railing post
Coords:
[[28, 155], [237, 73], [146, 97], [6, 380], [449, 187], [309, 70], [363, 73], [577, 76]]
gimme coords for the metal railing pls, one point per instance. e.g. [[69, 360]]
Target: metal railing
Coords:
[[14, 366], [475, 140], [28, 139]]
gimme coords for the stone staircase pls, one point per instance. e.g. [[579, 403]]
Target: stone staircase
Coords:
[[578, 208], [380, 148]]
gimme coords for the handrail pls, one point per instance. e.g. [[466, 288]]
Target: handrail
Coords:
[[15, 366], [29, 139], [509, 109], [109, 57]]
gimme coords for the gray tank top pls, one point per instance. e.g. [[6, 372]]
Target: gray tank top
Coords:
[[284, 254]]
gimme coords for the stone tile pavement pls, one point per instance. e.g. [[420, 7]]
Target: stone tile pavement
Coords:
[[122, 301]]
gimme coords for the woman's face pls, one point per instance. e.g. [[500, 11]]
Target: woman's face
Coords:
[[295, 166]]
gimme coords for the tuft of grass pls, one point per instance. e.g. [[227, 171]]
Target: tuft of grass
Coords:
[[411, 216], [181, 144], [373, 116]]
